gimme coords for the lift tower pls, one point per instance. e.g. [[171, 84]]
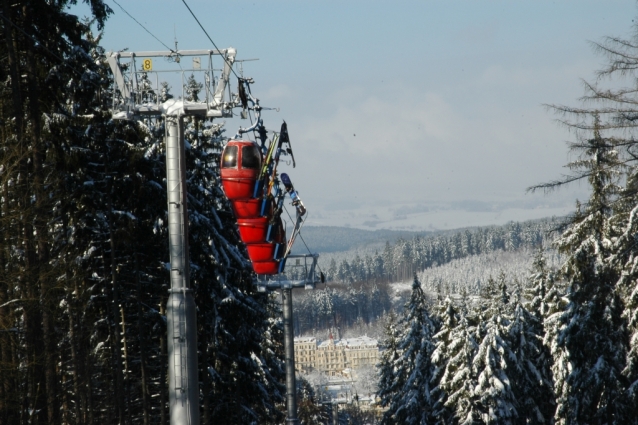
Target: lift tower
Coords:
[[136, 96], [305, 267]]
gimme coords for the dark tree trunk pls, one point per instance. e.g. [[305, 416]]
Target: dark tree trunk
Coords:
[[142, 344], [115, 317], [14, 71]]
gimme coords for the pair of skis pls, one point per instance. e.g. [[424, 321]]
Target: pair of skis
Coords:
[[267, 180], [268, 173]]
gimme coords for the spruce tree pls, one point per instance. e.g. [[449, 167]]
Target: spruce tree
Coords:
[[458, 380], [448, 316], [311, 412], [617, 108], [529, 368], [625, 259], [545, 302], [412, 404], [388, 384], [591, 344], [494, 362], [49, 83]]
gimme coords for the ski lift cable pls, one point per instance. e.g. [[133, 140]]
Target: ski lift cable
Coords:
[[301, 236], [143, 27], [153, 35], [211, 40], [38, 44]]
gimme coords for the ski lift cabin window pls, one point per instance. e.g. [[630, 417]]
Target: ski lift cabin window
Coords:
[[230, 157], [250, 157]]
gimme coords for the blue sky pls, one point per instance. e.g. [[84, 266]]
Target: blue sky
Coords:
[[407, 114]]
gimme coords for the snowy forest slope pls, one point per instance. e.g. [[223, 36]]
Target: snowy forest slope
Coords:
[[389, 260], [365, 283]]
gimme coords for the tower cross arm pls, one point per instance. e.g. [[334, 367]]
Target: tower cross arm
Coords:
[[163, 53]]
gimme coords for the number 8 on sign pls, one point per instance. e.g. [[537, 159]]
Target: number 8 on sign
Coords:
[[147, 64]]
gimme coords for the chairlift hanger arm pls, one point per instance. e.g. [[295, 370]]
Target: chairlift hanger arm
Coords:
[[257, 122]]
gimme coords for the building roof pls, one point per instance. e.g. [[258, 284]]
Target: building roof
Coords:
[[358, 342]]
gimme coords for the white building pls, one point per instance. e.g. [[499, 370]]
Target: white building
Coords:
[[332, 357]]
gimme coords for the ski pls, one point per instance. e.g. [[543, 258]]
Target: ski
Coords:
[[283, 138], [299, 206], [295, 232], [266, 167], [268, 171], [296, 201]]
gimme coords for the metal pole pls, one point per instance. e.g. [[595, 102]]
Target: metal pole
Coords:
[[183, 387], [335, 413], [289, 346]]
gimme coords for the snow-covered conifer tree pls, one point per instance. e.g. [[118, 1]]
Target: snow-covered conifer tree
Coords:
[[389, 385], [616, 107], [529, 368], [448, 317], [310, 410], [412, 403], [545, 297], [493, 364], [590, 346], [458, 380], [626, 259]]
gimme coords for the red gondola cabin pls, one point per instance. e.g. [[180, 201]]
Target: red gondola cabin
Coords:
[[240, 166]]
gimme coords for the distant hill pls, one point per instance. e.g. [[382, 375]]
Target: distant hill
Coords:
[[323, 239], [333, 239]]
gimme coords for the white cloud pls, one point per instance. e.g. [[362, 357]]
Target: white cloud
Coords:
[[372, 125], [411, 145]]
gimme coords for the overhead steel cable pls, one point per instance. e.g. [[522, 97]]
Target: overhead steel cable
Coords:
[[143, 27], [211, 40], [173, 52], [302, 239]]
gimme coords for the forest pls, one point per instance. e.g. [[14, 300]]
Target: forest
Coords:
[[362, 289], [83, 246], [399, 261], [84, 280]]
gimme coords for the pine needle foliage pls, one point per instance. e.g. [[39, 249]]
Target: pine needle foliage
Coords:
[[591, 339], [411, 402]]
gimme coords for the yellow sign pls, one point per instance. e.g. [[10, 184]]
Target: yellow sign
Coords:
[[147, 64]]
